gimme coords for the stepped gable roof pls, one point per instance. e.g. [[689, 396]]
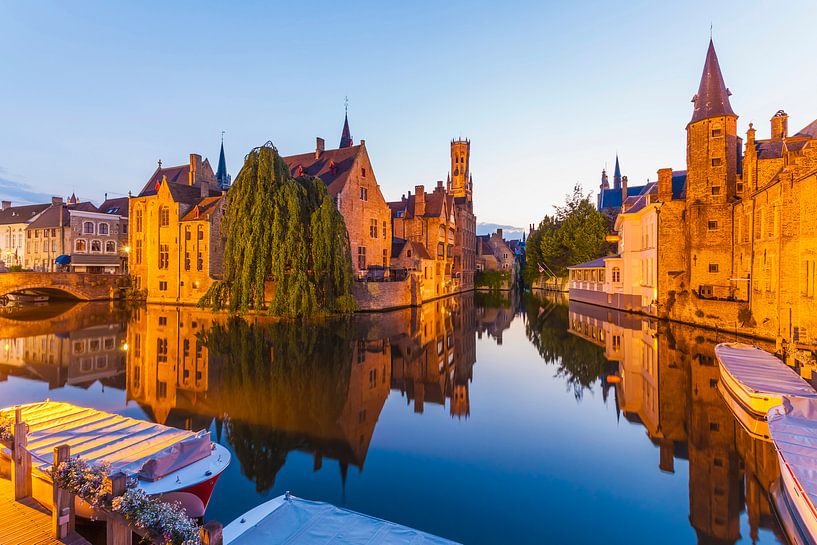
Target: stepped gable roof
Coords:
[[333, 167], [51, 216], [21, 214], [118, 206], [712, 99], [809, 130], [203, 210]]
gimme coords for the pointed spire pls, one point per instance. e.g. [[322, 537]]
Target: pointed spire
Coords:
[[617, 175], [712, 99], [222, 177], [346, 135]]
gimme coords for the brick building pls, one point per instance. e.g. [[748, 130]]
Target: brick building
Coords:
[[736, 239], [461, 185], [352, 184], [175, 240], [84, 237]]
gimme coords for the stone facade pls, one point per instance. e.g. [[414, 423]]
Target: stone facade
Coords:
[[494, 254], [176, 248]]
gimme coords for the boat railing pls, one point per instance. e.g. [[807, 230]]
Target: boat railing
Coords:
[[119, 531]]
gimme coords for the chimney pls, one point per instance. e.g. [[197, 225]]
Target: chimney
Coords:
[[54, 200], [7, 204], [665, 184], [499, 233], [439, 185], [780, 125], [320, 147], [750, 137], [419, 200], [623, 189], [195, 168], [362, 142]]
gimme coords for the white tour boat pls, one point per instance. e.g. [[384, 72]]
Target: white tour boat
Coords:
[[758, 380], [175, 464], [793, 427], [295, 521]]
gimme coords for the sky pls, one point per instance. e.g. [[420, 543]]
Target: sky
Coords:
[[92, 94]]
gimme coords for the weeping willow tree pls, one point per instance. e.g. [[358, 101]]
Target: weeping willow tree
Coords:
[[286, 230]]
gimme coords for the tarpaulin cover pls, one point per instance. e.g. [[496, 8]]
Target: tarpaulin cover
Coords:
[[304, 522], [135, 447], [760, 372], [793, 427], [63, 260]]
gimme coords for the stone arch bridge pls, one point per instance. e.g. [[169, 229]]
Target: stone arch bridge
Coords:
[[65, 285]]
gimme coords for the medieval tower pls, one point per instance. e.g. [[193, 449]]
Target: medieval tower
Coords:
[[713, 159], [460, 168]]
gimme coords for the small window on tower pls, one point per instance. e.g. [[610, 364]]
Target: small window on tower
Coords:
[[713, 267], [716, 133], [739, 187], [716, 161], [713, 224], [716, 190]]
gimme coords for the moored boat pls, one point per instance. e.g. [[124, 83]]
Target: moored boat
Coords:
[[755, 426], [793, 429], [757, 379], [175, 464], [295, 521]]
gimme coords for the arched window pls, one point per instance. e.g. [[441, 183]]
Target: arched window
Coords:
[[164, 216], [80, 246], [96, 246], [110, 247], [103, 229], [88, 228]]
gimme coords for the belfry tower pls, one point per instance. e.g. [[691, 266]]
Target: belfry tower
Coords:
[[460, 168]]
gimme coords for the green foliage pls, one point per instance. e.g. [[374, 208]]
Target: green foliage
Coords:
[[493, 280], [286, 230], [574, 234]]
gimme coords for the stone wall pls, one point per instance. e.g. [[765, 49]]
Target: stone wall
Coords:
[[373, 296]]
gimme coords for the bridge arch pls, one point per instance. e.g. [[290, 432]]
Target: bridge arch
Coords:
[[80, 286]]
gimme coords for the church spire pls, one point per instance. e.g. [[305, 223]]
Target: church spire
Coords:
[[617, 175], [222, 177], [712, 99], [346, 135]]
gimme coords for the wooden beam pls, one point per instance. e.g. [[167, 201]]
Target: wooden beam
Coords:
[[62, 513], [118, 532], [21, 459]]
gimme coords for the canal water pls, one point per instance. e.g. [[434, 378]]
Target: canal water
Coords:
[[484, 419]]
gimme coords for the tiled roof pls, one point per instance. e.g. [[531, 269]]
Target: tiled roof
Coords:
[[117, 206], [331, 166], [203, 209], [437, 202], [809, 130], [174, 175], [397, 245], [419, 250], [712, 99], [51, 216], [611, 198], [20, 214], [595, 264]]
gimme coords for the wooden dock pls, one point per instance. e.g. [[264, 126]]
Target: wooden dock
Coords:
[[27, 522]]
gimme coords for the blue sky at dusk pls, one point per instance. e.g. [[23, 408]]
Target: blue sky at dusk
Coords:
[[93, 93]]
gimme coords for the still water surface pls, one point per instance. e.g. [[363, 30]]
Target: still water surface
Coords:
[[481, 419]]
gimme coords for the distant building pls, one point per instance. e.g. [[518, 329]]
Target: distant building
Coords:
[[77, 236], [494, 254], [13, 223], [175, 240]]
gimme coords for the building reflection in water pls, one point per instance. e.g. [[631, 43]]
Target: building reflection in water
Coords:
[[276, 387], [668, 383], [64, 345]]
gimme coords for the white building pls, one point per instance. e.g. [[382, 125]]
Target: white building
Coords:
[[13, 223]]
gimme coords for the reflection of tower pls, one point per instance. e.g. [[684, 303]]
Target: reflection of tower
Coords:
[[715, 475]]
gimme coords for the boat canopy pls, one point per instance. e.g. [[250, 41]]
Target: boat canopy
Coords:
[[303, 522], [760, 372], [793, 427], [147, 450], [63, 259]]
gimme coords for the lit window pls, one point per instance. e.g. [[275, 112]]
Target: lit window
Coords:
[[80, 246], [110, 247]]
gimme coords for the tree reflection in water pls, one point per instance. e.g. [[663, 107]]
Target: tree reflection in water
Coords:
[[579, 362], [284, 386]]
